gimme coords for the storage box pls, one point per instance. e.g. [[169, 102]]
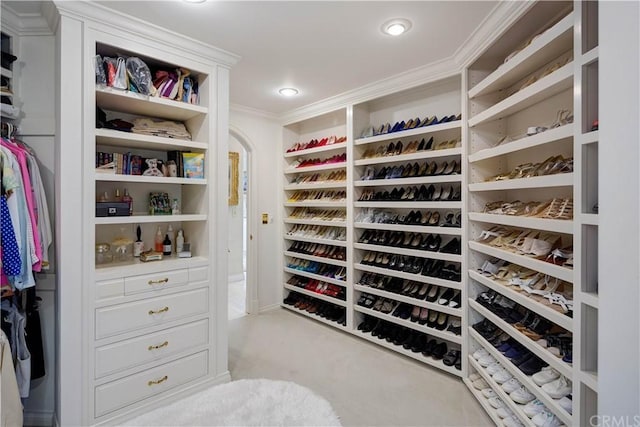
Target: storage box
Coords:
[[112, 209]]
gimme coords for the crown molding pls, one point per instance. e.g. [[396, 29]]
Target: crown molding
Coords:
[[253, 111], [84, 10], [503, 16], [24, 24], [415, 77]]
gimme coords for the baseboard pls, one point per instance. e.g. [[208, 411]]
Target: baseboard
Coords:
[[269, 308], [38, 419], [236, 277]]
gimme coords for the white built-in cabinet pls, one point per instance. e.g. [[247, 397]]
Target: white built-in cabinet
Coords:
[[526, 132], [134, 335]]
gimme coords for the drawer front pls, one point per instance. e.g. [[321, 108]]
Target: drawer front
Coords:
[[155, 281], [150, 312], [198, 274], [126, 354], [134, 388], [109, 289]]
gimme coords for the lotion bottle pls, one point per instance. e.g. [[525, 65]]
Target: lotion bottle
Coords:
[[179, 242], [158, 242]]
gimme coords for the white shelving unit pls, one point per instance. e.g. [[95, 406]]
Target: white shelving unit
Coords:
[[116, 314], [553, 68]]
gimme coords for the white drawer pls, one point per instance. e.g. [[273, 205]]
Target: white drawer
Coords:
[[132, 389], [126, 354], [109, 289], [150, 312], [198, 274], [155, 281]]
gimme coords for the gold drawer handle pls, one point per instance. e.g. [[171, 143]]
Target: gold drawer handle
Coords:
[[158, 282], [155, 347], [162, 310], [155, 382]]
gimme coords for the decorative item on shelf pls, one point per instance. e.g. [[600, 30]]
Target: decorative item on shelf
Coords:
[[108, 208], [159, 204], [186, 250], [158, 241], [175, 207], [122, 247], [138, 245], [153, 167], [151, 255], [103, 253], [166, 245], [193, 164], [234, 179]]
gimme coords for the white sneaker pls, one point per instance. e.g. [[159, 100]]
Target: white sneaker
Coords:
[[488, 393], [532, 408], [493, 368], [474, 377], [546, 419], [504, 412], [511, 385], [546, 375], [522, 396], [487, 360], [480, 384], [502, 376], [559, 388], [512, 422], [496, 402], [566, 404], [480, 353]]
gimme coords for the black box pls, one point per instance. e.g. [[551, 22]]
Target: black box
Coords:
[[112, 209]]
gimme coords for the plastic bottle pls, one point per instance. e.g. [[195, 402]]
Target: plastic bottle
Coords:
[[158, 242], [172, 236], [166, 245], [179, 241], [129, 200]]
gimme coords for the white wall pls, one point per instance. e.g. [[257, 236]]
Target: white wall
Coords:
[[263, 134], [619, 212], [236, 269]]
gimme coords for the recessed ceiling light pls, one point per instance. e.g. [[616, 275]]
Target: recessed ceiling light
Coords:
[[288, 91], [397, 26]]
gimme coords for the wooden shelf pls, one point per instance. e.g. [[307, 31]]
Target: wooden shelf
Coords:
[[315, 276], [451, 231], [549, 45], [323, 297], [409, 181], [558, 180], [413, 301], [133, 141], [526, 380], [316, 258], [410, 252], [428, 360], [148, 179], [521, 298], [146, 219], [311, 151], [556, 82], [555, 225], [556, 135], [409, 276], [404, 158], [409, 133], [560, 272], [435, 333], [325, 167], [553, 361], [135, 103]]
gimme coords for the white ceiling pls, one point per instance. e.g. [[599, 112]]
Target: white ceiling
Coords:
[[322, 48]]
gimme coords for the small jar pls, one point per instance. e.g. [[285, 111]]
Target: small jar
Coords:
[[122, 249], [103, 253]]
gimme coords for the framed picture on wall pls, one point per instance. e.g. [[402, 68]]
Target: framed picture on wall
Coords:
[[234, 178]]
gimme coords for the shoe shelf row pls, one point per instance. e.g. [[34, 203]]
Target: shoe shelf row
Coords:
[[409, 252], [555, 225], [408, 300], [453, 231], [408, 181], [442, 154], [484, 402], [409, 276], [524, 379]]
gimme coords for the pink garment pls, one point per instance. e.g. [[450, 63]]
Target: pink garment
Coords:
[[31, 206]]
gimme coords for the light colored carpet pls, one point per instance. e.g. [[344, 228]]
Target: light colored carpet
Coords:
[[245, 403]]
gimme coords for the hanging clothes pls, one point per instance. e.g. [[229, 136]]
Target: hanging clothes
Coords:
[[19, 350], [11, 413]]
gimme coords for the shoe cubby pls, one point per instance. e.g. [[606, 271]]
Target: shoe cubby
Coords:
[[589, 21], [316, 306], [589, 270], [590, 94]]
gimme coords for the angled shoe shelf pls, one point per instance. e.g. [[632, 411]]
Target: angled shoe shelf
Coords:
[[488, 409], [559, 180], [409, 252], [315, 185], [313, 316], [314, 240], [557, 225], [438, 179], [325, 167], [316, 295], [452, 231], [421, 131], [315, 276], [409, 205], [409, 276], [315, 222], [312, 151], [408, 300], [444, 154], [323, 260], [316, 204]]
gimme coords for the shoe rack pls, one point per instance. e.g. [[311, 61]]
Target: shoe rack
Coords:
[[315, 241], [532, 181]]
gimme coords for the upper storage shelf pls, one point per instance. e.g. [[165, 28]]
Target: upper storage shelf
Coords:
[[547, 46], [135, 103]]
